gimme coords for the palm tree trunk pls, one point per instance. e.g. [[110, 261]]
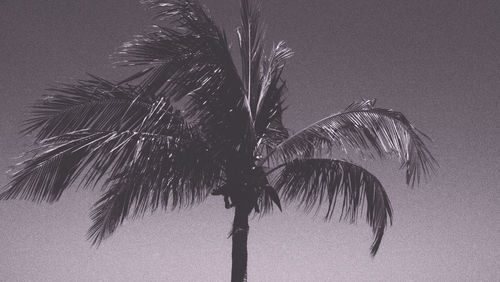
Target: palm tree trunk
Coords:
[[240, 237]]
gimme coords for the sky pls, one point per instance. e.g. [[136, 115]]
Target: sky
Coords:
[[438, 62]]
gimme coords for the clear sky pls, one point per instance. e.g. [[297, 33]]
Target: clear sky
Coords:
[[436, 61]]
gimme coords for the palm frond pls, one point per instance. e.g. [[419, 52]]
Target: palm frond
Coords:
[[94, 103], [314, 181], [272, 70], [250, 36], [52, 169], [192, 60], [268, 198], [94, 153], [183, 56], [373, 132], [155, 177], [61, 160], [268, 122], [109, 212]]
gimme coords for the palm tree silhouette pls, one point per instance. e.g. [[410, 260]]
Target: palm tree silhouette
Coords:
[[190, 124]]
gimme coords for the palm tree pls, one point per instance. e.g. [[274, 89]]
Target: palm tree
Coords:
[[190, 124]]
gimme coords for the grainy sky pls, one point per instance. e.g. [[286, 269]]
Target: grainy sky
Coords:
[[436, 61]]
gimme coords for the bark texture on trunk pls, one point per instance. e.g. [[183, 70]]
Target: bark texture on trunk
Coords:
[[240, 239]]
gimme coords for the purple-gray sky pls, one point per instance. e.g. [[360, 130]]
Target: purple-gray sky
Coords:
[[436, 61]]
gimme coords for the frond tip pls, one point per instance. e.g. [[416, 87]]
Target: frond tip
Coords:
[[310, 181]]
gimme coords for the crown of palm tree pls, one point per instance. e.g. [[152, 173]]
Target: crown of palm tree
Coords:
[[191, 122]]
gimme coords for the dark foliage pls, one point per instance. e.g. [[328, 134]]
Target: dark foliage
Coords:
[[188, 123]]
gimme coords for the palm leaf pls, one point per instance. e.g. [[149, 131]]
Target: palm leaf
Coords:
[[373, 132], [268, 199], [92, 153], [192, 60], [94, 103], [268, 122], [314, 181], [155, 176], [250, 38], [109, 212], [51, 170], [272, 70]]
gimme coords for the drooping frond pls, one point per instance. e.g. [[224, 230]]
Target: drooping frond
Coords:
[[155, 177], [373, 132], [109, 212], [268, 199], [250, 36], [192, 60], [312, 182], [94, 103]]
